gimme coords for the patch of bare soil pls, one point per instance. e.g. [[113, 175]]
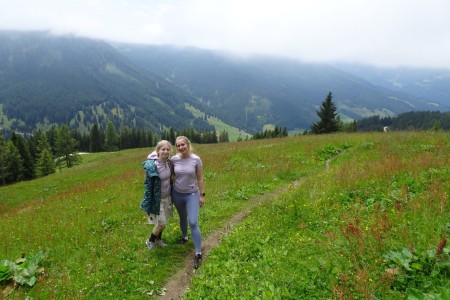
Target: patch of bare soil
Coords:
[[177, 285]]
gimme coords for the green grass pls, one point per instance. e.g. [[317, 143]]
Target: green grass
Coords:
[[326, 238]]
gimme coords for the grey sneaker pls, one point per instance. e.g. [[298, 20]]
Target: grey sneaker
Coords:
[[197, 260], [161, 243], [150, 245]]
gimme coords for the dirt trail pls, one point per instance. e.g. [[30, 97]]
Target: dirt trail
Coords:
[[178, 284]]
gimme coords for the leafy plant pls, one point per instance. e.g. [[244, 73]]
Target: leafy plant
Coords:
[[418, 270], [414, 294], [23, 271], [330, 151]]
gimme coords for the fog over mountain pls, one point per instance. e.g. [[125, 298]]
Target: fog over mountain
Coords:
[[383, 33], [47, 79]]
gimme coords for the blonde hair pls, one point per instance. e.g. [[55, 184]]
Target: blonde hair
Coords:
[[188, 142], [162, 143]]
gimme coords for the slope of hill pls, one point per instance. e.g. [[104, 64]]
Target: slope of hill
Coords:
[[323, 230], [250, 92], [47, 80]]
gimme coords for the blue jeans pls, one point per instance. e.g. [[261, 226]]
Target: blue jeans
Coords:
[[188, 207]]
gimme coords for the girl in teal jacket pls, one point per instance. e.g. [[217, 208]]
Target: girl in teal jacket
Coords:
[[157, 201]]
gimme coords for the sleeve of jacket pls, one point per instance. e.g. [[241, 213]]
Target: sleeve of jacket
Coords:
[[152, 188]]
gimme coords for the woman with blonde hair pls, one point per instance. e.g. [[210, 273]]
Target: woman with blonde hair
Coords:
[[188, 193], [157, 200]]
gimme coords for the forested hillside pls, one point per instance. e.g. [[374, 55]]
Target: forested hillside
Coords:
[[423, 120], [47, 80], [250, 92]]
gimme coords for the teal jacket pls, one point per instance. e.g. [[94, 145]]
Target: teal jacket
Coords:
[[152, 188]]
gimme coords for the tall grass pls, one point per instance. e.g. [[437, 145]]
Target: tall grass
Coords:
[[329, 237], [325, 238]]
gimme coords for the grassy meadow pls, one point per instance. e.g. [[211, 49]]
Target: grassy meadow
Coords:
[[373, 225]]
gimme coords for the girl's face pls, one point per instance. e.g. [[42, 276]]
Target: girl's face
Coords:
[[164, 152], [182, 147]]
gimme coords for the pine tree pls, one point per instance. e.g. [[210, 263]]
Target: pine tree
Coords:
[[125, 138], [52, 135], [45, 164], [32, 143], [24, 152], [223, 137], [13, 164], [66, 147], [172, 136], [111, 138], [42, 143], [96, 141], [329, 122], [214, 139]]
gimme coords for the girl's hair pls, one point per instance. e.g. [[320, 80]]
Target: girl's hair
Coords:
[[187, 141], [162, 143]]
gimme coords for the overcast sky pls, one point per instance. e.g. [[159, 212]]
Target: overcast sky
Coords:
[[381, 32]]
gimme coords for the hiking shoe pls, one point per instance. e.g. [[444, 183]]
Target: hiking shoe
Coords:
[[197, 260], [161, 243], [183, 240], [150, 245]]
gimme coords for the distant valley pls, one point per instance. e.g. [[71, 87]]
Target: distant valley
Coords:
[[47, 80]]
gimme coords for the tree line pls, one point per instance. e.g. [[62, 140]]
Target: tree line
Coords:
[[271, 133], [62, 146], [26, 157], [415, 120], [37, 156], [42, 153]]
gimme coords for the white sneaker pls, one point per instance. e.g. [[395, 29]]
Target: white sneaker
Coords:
[[161, 243], [150, 245]]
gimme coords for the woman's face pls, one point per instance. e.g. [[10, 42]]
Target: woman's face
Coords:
[[182, 147], [164, 152]]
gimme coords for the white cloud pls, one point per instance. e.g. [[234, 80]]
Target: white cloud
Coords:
[[415, 33]]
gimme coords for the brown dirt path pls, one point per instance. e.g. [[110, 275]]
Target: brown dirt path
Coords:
[[177, 285]]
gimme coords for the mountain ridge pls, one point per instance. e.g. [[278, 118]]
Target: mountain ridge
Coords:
[[46, 79], [71, 80], [299, 87]]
